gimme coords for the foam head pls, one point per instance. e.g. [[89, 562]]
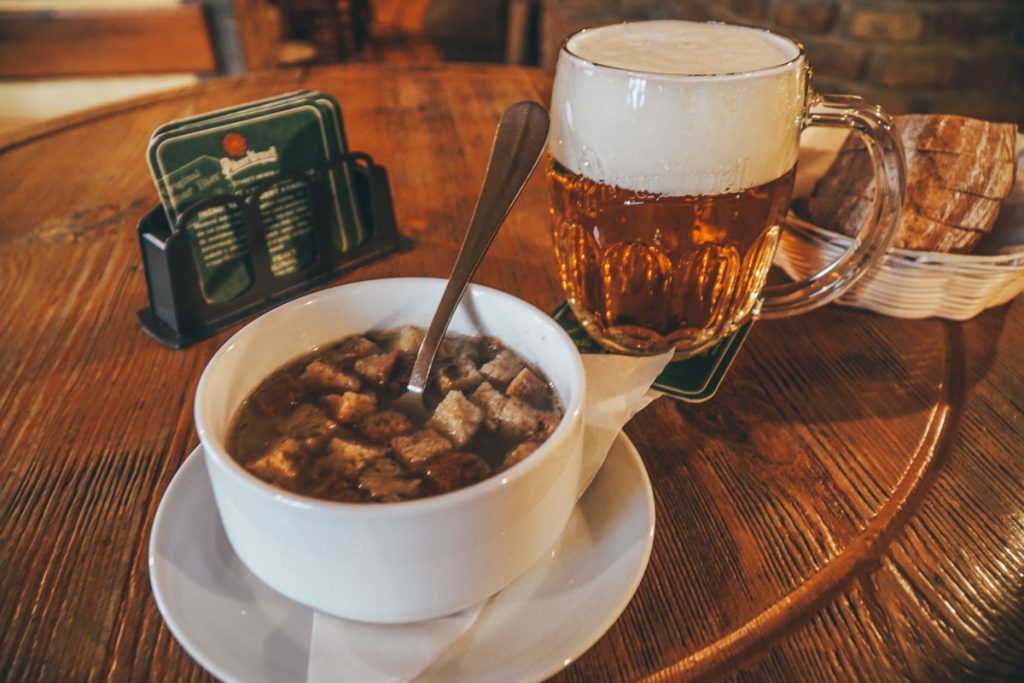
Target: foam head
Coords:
[[677, 107]]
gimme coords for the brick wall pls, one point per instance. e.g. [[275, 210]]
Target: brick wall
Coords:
[[948, 56]]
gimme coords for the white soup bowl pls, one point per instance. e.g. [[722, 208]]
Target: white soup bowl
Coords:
[[393, 562]]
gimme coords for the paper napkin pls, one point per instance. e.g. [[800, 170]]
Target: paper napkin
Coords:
[[344, 651]]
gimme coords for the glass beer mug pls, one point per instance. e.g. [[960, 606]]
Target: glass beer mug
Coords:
[[671, 161]]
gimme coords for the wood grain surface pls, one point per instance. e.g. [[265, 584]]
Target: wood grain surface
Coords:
[[850, 506]]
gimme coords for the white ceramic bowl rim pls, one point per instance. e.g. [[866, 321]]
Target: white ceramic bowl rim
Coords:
[[443, 500]]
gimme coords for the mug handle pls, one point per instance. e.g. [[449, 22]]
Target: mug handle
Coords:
[[874, 236]]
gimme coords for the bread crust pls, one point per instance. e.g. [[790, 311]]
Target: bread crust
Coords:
[[958, 172]]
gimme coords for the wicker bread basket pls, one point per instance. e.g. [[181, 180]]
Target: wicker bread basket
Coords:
[[912, 284]]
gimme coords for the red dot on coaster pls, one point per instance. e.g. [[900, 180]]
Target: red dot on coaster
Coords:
[[234, 144]]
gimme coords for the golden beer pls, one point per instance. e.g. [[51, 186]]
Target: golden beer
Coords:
[[671, 160], [647, 272], [671, 163]]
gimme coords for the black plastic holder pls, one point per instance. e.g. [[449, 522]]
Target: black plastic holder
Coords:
[[179, 314]]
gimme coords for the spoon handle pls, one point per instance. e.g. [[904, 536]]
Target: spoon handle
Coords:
[[518, 142]]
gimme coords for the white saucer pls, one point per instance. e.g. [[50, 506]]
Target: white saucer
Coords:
[[241, 630]]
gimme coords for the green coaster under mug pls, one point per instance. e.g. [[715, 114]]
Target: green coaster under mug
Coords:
[[693, 380]]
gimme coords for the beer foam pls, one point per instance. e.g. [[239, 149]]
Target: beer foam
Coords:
[[677, 107], [682, 48]]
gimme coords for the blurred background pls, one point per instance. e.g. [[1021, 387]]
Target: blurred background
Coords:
[[59, 56]]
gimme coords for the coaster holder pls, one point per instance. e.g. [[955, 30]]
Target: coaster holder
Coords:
[[179, 314]]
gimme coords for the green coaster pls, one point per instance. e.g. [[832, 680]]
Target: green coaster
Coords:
[[692, 380]]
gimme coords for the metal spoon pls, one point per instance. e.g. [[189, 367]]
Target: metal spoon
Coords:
[[518, 142]]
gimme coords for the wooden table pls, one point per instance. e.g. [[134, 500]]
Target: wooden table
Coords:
[[849, 506]]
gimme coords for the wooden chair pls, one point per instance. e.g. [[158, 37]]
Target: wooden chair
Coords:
[[208, 37], [335, 29]]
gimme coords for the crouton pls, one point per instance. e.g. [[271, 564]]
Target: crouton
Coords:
[[490, 400], [516, 420], [509, 417], [321, 375], [458, 346], [502, 368], [548, 422], [328, 486], [348, 456], [306, 421], [384, 481], [312, 444], [277, 465], [352, 347], [459, 374], [457, 418], [377, 367], [527, 387], [350, 407], [383, 426], [518, 454], [408, 340], [454, 469], [420, 446]]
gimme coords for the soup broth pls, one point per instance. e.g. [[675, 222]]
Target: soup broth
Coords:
[[326, 425]]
